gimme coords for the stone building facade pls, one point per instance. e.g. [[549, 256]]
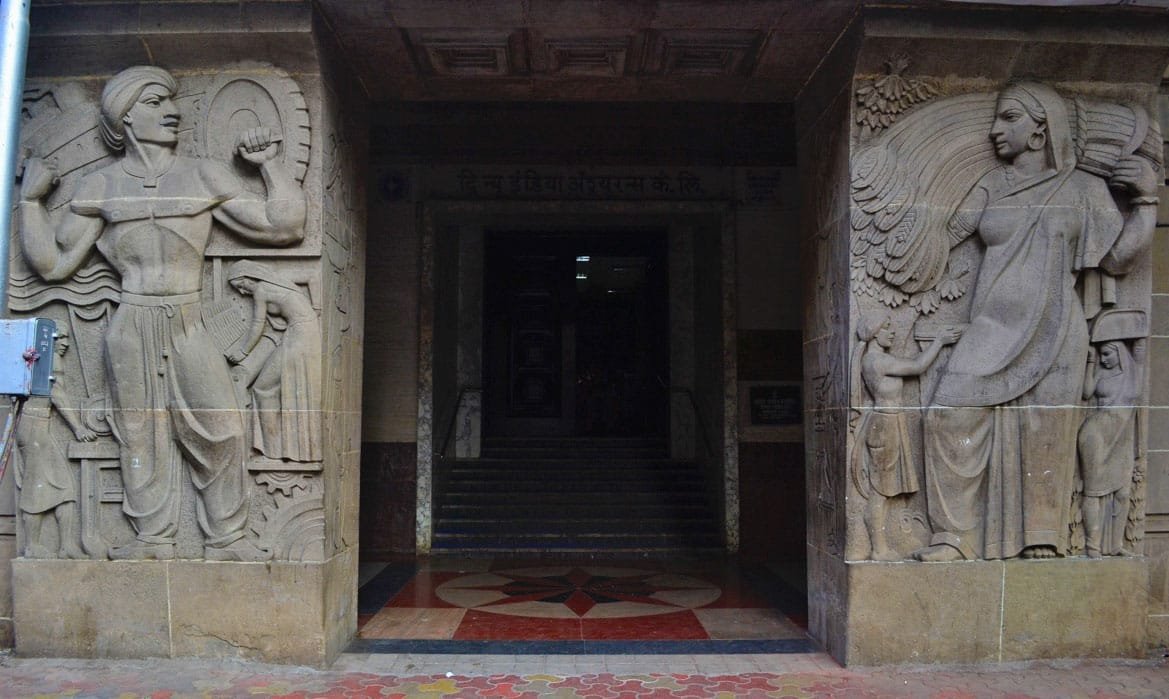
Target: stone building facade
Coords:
[[272, 234]]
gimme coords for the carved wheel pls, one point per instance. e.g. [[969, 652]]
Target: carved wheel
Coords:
[[266, 97]]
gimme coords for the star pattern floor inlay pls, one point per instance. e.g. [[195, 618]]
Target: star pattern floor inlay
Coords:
[[584, 592], [505, 605]]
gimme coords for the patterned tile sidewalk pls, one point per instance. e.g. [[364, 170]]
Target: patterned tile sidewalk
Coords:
[[815, 677]]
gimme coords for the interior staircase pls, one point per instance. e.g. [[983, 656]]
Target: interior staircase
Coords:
[[573, 495]]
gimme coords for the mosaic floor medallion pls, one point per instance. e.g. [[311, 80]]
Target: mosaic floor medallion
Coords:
[[578, 592]]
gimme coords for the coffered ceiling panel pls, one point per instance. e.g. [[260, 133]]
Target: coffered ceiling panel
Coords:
[[577, 50]]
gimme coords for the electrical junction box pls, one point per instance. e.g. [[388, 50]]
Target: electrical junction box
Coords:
[[26, 356]]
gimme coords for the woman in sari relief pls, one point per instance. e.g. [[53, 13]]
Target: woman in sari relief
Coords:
[[285, 387], [1000, 432]]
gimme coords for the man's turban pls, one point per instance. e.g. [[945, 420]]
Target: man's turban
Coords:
[[120, 94]]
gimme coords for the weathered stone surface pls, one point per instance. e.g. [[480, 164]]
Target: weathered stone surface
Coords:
[[7, 553], [1157, 631], [209, 621], [1157, 551], [995, 611], [913, 613], [1075, 608], [823, 125], [126, 609], [339, 607], [828, 600], [91, 609]]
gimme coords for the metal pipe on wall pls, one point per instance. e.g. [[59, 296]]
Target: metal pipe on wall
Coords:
[[13, 50]]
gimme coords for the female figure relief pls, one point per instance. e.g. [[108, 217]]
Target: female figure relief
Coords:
[[1000, 435], [1108, 444], [285, 381]]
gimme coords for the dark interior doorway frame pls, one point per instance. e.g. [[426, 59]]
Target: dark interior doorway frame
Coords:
[[710, 225], [576, 334]]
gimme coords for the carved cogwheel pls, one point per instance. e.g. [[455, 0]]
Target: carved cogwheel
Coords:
[[293, 528], [263, 96]]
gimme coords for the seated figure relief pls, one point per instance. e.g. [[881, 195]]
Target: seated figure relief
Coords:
[[1060, 210], [150, 213]]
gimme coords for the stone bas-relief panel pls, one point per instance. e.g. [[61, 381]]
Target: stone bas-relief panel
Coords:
[[162, 224], [342, 219], [1000, 288]]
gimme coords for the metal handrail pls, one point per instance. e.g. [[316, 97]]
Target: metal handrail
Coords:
[[450, 430]]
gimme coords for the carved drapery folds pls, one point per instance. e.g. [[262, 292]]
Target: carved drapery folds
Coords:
[[999, 266], [162, 224]]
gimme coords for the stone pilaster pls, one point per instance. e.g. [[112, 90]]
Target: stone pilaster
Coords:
[[268, 280], [930, 490]]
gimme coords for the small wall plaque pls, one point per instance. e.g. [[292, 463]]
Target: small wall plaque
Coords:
[[776, 404]]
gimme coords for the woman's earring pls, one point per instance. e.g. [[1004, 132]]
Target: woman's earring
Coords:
[[1037, 140]]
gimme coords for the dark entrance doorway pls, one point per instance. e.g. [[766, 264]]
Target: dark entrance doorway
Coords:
[[576, 334], [577, 423]]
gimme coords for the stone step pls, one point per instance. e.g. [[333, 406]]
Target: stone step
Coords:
[[628, 498], [580, 486], [566, 463], [578, 495], [536, 527], [600, 511], [575, 447], [578, 542]]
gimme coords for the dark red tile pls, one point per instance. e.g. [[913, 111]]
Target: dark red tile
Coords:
[[679, 626], [483, 626], [738, 598], [739, 591], [419, 592]]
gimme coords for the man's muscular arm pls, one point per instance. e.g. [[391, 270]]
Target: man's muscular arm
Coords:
[[54, 252], [275, 220]]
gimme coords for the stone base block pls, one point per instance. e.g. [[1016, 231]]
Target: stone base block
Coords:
[[7, 553], [995, 611], [1157, 636], [274, 612]]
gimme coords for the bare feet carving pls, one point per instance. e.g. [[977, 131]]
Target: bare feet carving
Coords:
[[32, 550], [72, 551], [938, 553], [239, 550], [142, 550], [1036, 552]]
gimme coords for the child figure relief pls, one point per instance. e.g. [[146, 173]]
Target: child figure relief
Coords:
[[884, 465]]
